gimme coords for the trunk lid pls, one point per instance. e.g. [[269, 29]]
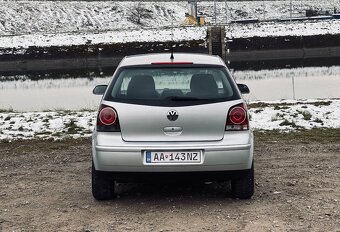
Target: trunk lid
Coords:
[[144, 123]]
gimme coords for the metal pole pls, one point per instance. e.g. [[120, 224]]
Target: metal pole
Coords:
[[290, 12], [293, 82], [195, 3], [334, 6], [226, 11], [264, 10], [215, 11]]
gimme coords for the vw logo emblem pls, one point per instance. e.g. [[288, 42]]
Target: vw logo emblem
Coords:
[[172, 115]]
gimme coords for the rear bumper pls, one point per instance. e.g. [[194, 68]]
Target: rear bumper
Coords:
[[112, 154]]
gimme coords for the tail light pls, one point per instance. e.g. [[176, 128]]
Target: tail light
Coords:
[[237, 119], [107, 119]]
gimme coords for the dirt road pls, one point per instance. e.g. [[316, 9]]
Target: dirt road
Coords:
[[45, 186]]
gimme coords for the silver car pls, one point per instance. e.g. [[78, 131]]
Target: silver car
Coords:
[[172, 118]]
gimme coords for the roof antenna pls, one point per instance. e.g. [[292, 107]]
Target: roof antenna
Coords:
[[172, 43]]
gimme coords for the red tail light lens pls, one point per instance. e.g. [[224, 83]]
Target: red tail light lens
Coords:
[[237, 119], [107, 119], [237, 115], [107, 116]]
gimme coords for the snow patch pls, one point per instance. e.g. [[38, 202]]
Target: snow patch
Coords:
[[285, 115]]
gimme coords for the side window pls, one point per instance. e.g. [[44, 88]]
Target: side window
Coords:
[[224, 87], [124, 85], [219, 83]]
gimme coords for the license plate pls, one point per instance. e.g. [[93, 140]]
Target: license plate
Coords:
[[152, 157]]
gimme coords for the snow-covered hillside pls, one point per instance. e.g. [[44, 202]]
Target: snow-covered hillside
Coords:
[[65, 23], [30, 17], [298, 28], [22, 17], [109, 37]]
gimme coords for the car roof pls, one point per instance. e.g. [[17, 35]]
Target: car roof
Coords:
[[195, 58]]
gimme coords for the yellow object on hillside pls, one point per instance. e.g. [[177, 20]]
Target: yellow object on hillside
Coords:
[[202, 20], [189, 20]]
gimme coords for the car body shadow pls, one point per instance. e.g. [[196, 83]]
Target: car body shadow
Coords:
[[179, 190]]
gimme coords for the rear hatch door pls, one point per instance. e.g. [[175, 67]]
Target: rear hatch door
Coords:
[[204, 122]]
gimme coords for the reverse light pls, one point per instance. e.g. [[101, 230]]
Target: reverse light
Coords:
[[107, 119], [237, 119]]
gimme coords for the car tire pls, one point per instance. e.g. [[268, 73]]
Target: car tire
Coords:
[[102, 185], [243, 187]]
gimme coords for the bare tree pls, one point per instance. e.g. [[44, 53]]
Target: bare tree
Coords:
[[138, 13]]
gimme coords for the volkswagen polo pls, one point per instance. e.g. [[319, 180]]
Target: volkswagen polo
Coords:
[[171, 117]]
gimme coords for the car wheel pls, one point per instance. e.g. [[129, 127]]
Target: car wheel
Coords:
[[102, 185], [243, 187]]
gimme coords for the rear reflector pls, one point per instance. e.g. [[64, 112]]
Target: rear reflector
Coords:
[[169, 63]]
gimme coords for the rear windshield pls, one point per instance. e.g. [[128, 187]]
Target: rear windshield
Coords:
[[166, 86]]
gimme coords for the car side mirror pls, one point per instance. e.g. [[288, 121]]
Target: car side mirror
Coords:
[[243, 88], [99, 89]]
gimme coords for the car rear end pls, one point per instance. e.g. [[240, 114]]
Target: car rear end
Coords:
[[162, 118]]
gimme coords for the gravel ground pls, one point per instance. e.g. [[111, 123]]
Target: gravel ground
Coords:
[[45, 186]]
